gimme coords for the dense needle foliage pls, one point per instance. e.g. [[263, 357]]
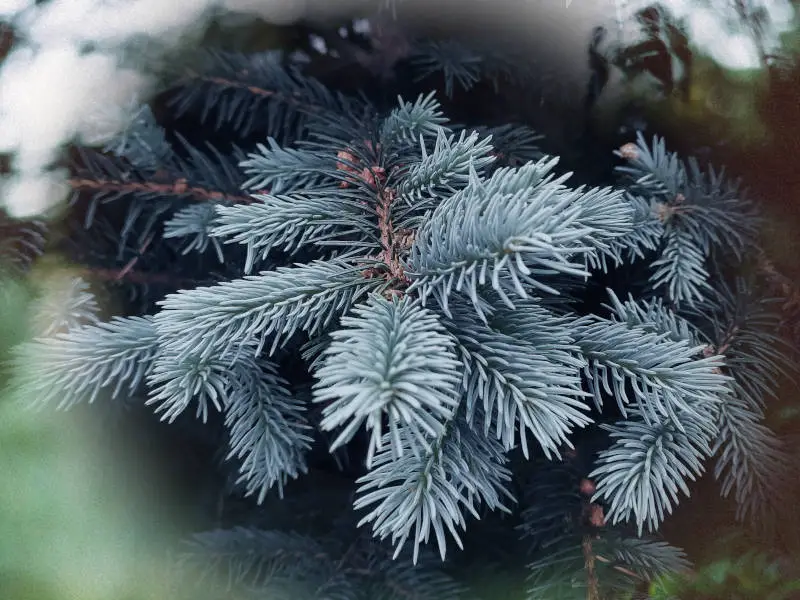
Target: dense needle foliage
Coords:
[[416, 344]]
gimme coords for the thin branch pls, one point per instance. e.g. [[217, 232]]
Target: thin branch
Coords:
[[592, 586], [393, 241], [179, 187], [295, 99]]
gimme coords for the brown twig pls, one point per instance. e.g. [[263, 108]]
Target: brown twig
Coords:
[[619, 568], [179, 187], [665, 210], [593, 514], [724, 345], [394, 241], [295, 99], [127, 268], [127, 273], [592, 586]]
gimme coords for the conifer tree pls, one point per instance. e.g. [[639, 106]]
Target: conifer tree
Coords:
[[418, 344]]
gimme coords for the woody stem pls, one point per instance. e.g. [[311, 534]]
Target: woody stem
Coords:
[[389, 254]]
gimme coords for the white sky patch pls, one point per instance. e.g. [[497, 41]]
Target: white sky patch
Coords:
[[54, 91], [734, 50], [716, 29], [12, 7]]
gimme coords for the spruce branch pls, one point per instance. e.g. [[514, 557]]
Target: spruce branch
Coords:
[[681, 268], [402, 579], [175, 382], [143, 143], [76, 366], [750, 459], [514, 388], [256, 91], [393, 360], [702, 212], [592, 584], [492, 232], [65, 304], [643, 558], [277, 564], [440, 315], [654, 316], [285, 167], [620, 564], [644, 238], [127, 273], [109, 189], [514, 144], [194, 223], [783, 287], [287, 565], [268, 430], [667, 376], [745, 327], [558, 573], [553, 502], [457, 63], [21, 243], [289, 222], [410, 122], [216, 320], [446, 168], [424, 492], [394, 241], [199, 178], [647, 465]]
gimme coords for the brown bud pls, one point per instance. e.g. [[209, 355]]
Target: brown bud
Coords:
[[629, 151], [596, 516], [588, 487], [373, 174], [664, 211], [344, 155]]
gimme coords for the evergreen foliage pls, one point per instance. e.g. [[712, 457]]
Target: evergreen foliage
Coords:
[[464, 329], [20, 243]]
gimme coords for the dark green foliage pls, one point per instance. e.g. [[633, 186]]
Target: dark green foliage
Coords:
[[20, 243]]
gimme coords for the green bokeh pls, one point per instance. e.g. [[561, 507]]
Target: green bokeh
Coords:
[[71, 527]]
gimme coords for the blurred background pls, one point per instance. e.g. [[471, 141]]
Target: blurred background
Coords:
[[84, 512]]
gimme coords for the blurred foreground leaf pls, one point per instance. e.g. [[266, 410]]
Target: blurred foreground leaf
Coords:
[[72, 526]]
